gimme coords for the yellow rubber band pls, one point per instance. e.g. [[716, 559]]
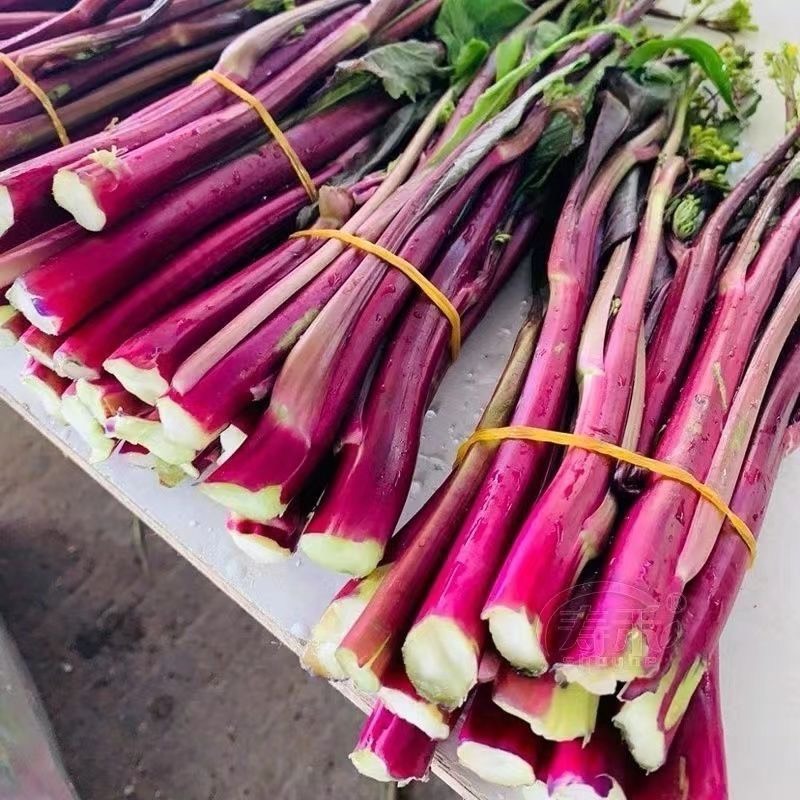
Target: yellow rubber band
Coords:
[[23, 79], [435, 295], [670, 471], [270, 124]]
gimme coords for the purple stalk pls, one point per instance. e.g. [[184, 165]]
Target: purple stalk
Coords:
[[14, 22], [654, 706], [107, 195], [334, 354], [81, 15], [12, 325], [697, 766], [628, 630], [364, 501], [192, 269], [63, 291], [24, 257], [372, 643], [495, 746], [390, 749], [679, 322], [46, 385], [568, 526], [147, 362], [40, 346], [20, 104], [265, 544], [20, 137], [398, 694], [453, 608], [25, 190]]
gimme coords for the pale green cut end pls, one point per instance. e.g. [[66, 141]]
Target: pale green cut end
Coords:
[[182, 427], [363, 677], [76, 197], [260, 549], [441, 661], [370, 766], [48, 397], [146, 384], [495, 766], [87, 427], [342, 555], [428, 717], [572, 714], [603, 678], [518, 639], [150, 433], [261, 506]]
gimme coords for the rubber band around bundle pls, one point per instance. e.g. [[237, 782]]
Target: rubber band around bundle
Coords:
[[663, 468], [270, 124], [23, 79], [434, 294]]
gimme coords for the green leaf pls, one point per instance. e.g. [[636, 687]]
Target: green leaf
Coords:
[[469, 59], [508, 54], [499, 94], [405, 69], [462, 21], [700, 52]]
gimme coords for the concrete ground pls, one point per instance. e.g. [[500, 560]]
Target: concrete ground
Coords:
[[158, 685]]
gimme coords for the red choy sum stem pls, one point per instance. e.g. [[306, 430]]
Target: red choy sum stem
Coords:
[[451, 614], [344, 610], [389, 749], [571, 522], [46, 385], [193, 268], [364, 501], [12, 325], [40, 346], [146, 362], [265, 544], [62, 291], [20, 104], [373, 641], [495, 746], [359, 316], [25, 190], [651, 715], [14, 22], [81, 15], [626, 633], [557, 713], [28, 134], [398, 694], [98, 196], [24, 257], [599, 769], [670, 349], [696, 767]]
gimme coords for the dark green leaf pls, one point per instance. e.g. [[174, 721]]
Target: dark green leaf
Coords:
[[700, 52]]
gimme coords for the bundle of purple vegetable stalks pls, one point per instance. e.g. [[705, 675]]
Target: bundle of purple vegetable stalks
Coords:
[[205, 299]]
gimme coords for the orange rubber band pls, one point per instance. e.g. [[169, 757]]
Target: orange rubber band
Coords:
[[23, 79], [434, 294], [270, 124], [666, 470]]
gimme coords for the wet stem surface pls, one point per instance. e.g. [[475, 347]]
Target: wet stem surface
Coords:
[[158, 686]]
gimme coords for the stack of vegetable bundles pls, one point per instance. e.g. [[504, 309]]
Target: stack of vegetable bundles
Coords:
[[243, 241]]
